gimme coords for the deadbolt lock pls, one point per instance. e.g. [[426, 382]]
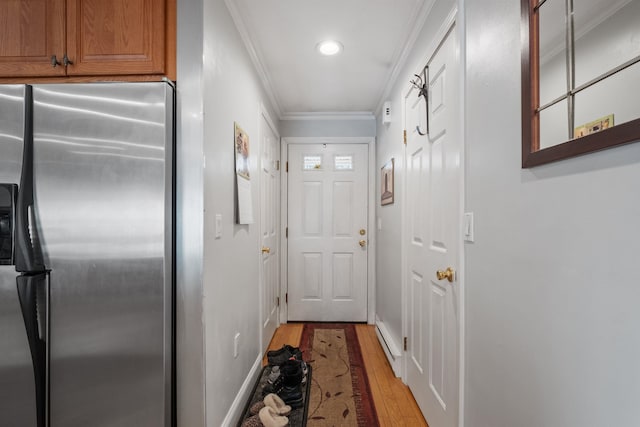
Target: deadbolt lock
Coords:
[[363, 231]]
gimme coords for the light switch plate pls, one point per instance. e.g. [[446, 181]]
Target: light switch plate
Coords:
[[468, 227], [236, 344], [218, 227]]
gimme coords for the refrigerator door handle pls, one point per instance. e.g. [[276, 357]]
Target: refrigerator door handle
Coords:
[[33, 296], [28, 256]]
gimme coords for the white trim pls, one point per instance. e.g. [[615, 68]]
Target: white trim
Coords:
[[462, 50], [237, 407], [390, 347], [371, 253], [264, 113], [330, 115], [267, 116], [254, 55], [372, 230], [328, 140], [420, 17], [404, 233], [284, 223], [261, 280]]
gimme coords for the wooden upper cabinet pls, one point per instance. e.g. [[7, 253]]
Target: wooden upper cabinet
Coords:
[[128, 39], [116, 37], [31, 33]]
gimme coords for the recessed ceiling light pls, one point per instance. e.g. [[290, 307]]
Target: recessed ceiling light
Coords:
[[329, 47]]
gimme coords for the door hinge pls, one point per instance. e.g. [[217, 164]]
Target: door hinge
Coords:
[[286, 233], [278, 301], [405, 136], [286, 298], [277, 165], [286, 167], [406, 345]]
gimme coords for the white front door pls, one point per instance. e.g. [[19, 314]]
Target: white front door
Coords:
[[269, 229], [432, 218], [327, 261]]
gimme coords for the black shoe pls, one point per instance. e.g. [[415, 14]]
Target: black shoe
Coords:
[[291, 370], [296, 353], [292, 396], [275, 387], [278, 357]]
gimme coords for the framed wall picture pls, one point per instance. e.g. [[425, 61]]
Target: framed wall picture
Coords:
[[242, 152], [386, 183], [244, 211]]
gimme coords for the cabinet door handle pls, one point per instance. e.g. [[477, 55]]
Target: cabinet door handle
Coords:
[[66, 61], [54, 61]]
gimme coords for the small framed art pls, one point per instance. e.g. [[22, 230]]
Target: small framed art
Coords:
[[386, 183]]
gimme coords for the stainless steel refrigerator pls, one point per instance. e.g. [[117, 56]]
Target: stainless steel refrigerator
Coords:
[[86, 255]]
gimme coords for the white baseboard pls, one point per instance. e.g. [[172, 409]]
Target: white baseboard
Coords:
[[237, 407], [390, 347]]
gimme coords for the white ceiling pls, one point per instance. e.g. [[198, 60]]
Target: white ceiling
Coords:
[[281, 36]]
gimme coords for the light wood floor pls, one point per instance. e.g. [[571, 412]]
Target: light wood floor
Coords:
[[394, 402]]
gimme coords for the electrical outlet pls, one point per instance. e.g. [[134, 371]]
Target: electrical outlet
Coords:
[[236, 343]]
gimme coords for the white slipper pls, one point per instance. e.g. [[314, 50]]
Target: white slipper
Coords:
[[276, 403], [270, 418]]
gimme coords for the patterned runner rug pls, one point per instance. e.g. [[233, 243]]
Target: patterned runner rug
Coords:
[[340, 394]]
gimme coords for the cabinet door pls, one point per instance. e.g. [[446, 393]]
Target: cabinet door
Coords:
[[116, 37], [31, 32]]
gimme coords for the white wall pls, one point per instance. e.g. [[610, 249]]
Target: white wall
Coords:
[[232, 92], [328, 127], [552, 278], [389, 145], [189, 238]]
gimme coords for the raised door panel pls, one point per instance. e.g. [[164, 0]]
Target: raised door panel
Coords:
[[327, 208], [433, 212], [31, 32], [116, 37]]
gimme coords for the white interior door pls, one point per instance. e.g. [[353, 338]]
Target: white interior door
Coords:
[[432, 219], [269, 229], [327, 260]]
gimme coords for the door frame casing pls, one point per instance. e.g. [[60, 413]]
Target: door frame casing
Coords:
[[264, 113], [454, 18], [371, 212]]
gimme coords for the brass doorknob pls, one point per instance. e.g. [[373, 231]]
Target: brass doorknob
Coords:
[[266, 250], [447, 274], [362, 243]]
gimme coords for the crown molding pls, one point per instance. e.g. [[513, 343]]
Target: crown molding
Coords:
[[421, 12], [420, 17], [330, 115], [254, 55]]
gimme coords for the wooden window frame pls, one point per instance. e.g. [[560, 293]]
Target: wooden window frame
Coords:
[[532, 155]]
